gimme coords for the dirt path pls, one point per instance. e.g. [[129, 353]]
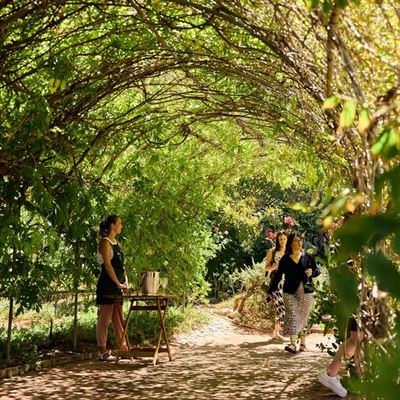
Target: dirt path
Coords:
[[220, 361]]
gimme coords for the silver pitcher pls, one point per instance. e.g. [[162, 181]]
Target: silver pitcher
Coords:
[[149, 282]]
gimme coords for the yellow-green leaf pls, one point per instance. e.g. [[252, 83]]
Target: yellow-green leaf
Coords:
[[327, 222], [348, 114], [54, 84], [363, 120], [331, 102], [51, 82], [312, 4], [387, 144], [299, 207]]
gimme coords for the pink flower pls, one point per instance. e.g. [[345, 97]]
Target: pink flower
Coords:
[[287, 220], [215, 229], [271, 235], [290, 221]]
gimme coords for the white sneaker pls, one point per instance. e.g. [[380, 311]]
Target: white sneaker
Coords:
[[332, 382]]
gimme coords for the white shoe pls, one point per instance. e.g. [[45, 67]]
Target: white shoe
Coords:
[[106, 356], [332, 382]]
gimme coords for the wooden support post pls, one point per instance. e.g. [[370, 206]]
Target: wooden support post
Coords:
[[77, 276], [125, 331], [9, 330], [75, 334]]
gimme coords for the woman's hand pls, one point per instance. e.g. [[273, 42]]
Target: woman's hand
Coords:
[[270, 268], [308, 272], [124, 287]]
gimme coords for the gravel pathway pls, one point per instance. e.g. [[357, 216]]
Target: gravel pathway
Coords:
[[220, 361]]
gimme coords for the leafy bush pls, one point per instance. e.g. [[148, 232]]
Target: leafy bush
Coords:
[[255, 207], [30, 344]]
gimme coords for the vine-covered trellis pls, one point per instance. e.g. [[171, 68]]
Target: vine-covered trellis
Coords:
[[153, 107]]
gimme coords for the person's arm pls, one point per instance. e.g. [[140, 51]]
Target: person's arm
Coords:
[[105, 251], [312, 269], [126, 283], [268, 259]]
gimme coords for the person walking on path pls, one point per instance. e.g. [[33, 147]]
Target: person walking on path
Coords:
[[112, 281], [299, 269], [271, 265], [329, 377]]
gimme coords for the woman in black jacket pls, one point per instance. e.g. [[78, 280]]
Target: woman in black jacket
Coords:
[[298, 269]]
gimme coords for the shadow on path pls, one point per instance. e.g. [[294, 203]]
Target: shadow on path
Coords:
[[255, 368]]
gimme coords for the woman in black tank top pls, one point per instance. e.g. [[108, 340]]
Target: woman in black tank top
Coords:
[[106, 285], [112, 281]]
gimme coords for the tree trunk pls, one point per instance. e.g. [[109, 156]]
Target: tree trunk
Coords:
[[239, 303]]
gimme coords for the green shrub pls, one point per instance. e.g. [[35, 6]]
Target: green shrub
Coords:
[[29, 344]]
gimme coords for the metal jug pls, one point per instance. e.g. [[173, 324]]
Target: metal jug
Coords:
[[150, 282]]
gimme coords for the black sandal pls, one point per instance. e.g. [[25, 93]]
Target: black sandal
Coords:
[[291, 348]]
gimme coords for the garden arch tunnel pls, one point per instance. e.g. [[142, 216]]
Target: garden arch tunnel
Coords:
[[87, 86], [79, 76]]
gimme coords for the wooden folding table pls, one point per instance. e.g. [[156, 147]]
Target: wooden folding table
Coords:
[[157, 303]]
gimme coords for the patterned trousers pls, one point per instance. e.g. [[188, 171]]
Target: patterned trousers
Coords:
[[277, 298], [298, 307]]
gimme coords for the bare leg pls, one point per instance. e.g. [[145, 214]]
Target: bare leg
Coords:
[[303, 346], [291, 348], [276, 333], [346, 350], [104, 317], [118, 326]]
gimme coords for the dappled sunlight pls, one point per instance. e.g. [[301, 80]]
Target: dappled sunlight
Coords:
[[252, 369]]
